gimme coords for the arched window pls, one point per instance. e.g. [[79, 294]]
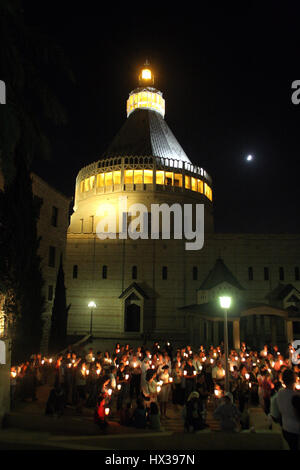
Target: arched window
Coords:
[[164, 273], [104, 272], [75, 271], [195, 273], [134, 272], [250, 273]]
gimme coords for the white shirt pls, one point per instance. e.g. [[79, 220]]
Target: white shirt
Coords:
[[290, 421]]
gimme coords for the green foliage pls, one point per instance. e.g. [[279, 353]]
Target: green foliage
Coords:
[[59, 320]]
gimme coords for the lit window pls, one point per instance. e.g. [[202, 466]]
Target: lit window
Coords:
[[178, 180], [108, 179], [138, 176], [148, 176], [169, 178], [194, 184], [87, 184], [187, 182], [160, 177], [207, 191], [200, 186], [117, 177], [128, 177], [82, 186], [100, 180], [92, 181]]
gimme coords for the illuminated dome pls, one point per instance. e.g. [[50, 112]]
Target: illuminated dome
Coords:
[[145, 132]]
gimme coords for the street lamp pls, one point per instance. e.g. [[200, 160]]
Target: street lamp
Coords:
[[225, 302], [91, 305]]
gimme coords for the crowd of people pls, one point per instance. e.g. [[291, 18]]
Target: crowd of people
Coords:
[[138, 384]]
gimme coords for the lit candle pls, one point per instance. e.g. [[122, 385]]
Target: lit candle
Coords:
[[184, 372], [200, 367], [109, 391], [298, 386], [195, 372], [43, 362], [134, 365], [98, 371], [119, 386], [247, 376], [50, 360], [204, 359], [217, 393], [13, 373], [153, 366], [236, 358], [250, 384], [158, 388], [87, 372], [170, 379], [107, 410], [93, 359], [69, 365], [211, 361], [126, 376]]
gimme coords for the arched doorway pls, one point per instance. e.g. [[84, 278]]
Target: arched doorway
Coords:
[[132, 317]]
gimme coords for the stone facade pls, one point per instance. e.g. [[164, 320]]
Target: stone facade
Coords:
[[52, 228]]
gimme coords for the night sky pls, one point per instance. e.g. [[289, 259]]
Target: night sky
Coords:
[[226, 77]]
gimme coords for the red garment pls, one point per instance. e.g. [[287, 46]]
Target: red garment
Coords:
[[267, 387]]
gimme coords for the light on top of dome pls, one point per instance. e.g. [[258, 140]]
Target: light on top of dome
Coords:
[[146, 74]]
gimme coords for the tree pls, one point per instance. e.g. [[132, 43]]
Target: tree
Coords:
[[28, 62], [59, 319]]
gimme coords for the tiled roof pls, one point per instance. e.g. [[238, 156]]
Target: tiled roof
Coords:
[[146, 133], [219, 273]]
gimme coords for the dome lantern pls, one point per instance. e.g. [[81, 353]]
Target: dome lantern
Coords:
[[146, 96]]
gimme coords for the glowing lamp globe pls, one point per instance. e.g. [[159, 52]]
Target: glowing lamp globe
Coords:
[[225, 301], [146, 74], [92, 304]]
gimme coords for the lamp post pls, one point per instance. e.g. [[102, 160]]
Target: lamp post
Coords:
[[91, 305], [225, 302]]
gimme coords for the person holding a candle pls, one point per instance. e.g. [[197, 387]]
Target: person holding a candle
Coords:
[[149, 391], [136, 371], [165, 391], [190, 378]]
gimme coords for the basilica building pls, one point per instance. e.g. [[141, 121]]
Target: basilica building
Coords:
[[153, 288]]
